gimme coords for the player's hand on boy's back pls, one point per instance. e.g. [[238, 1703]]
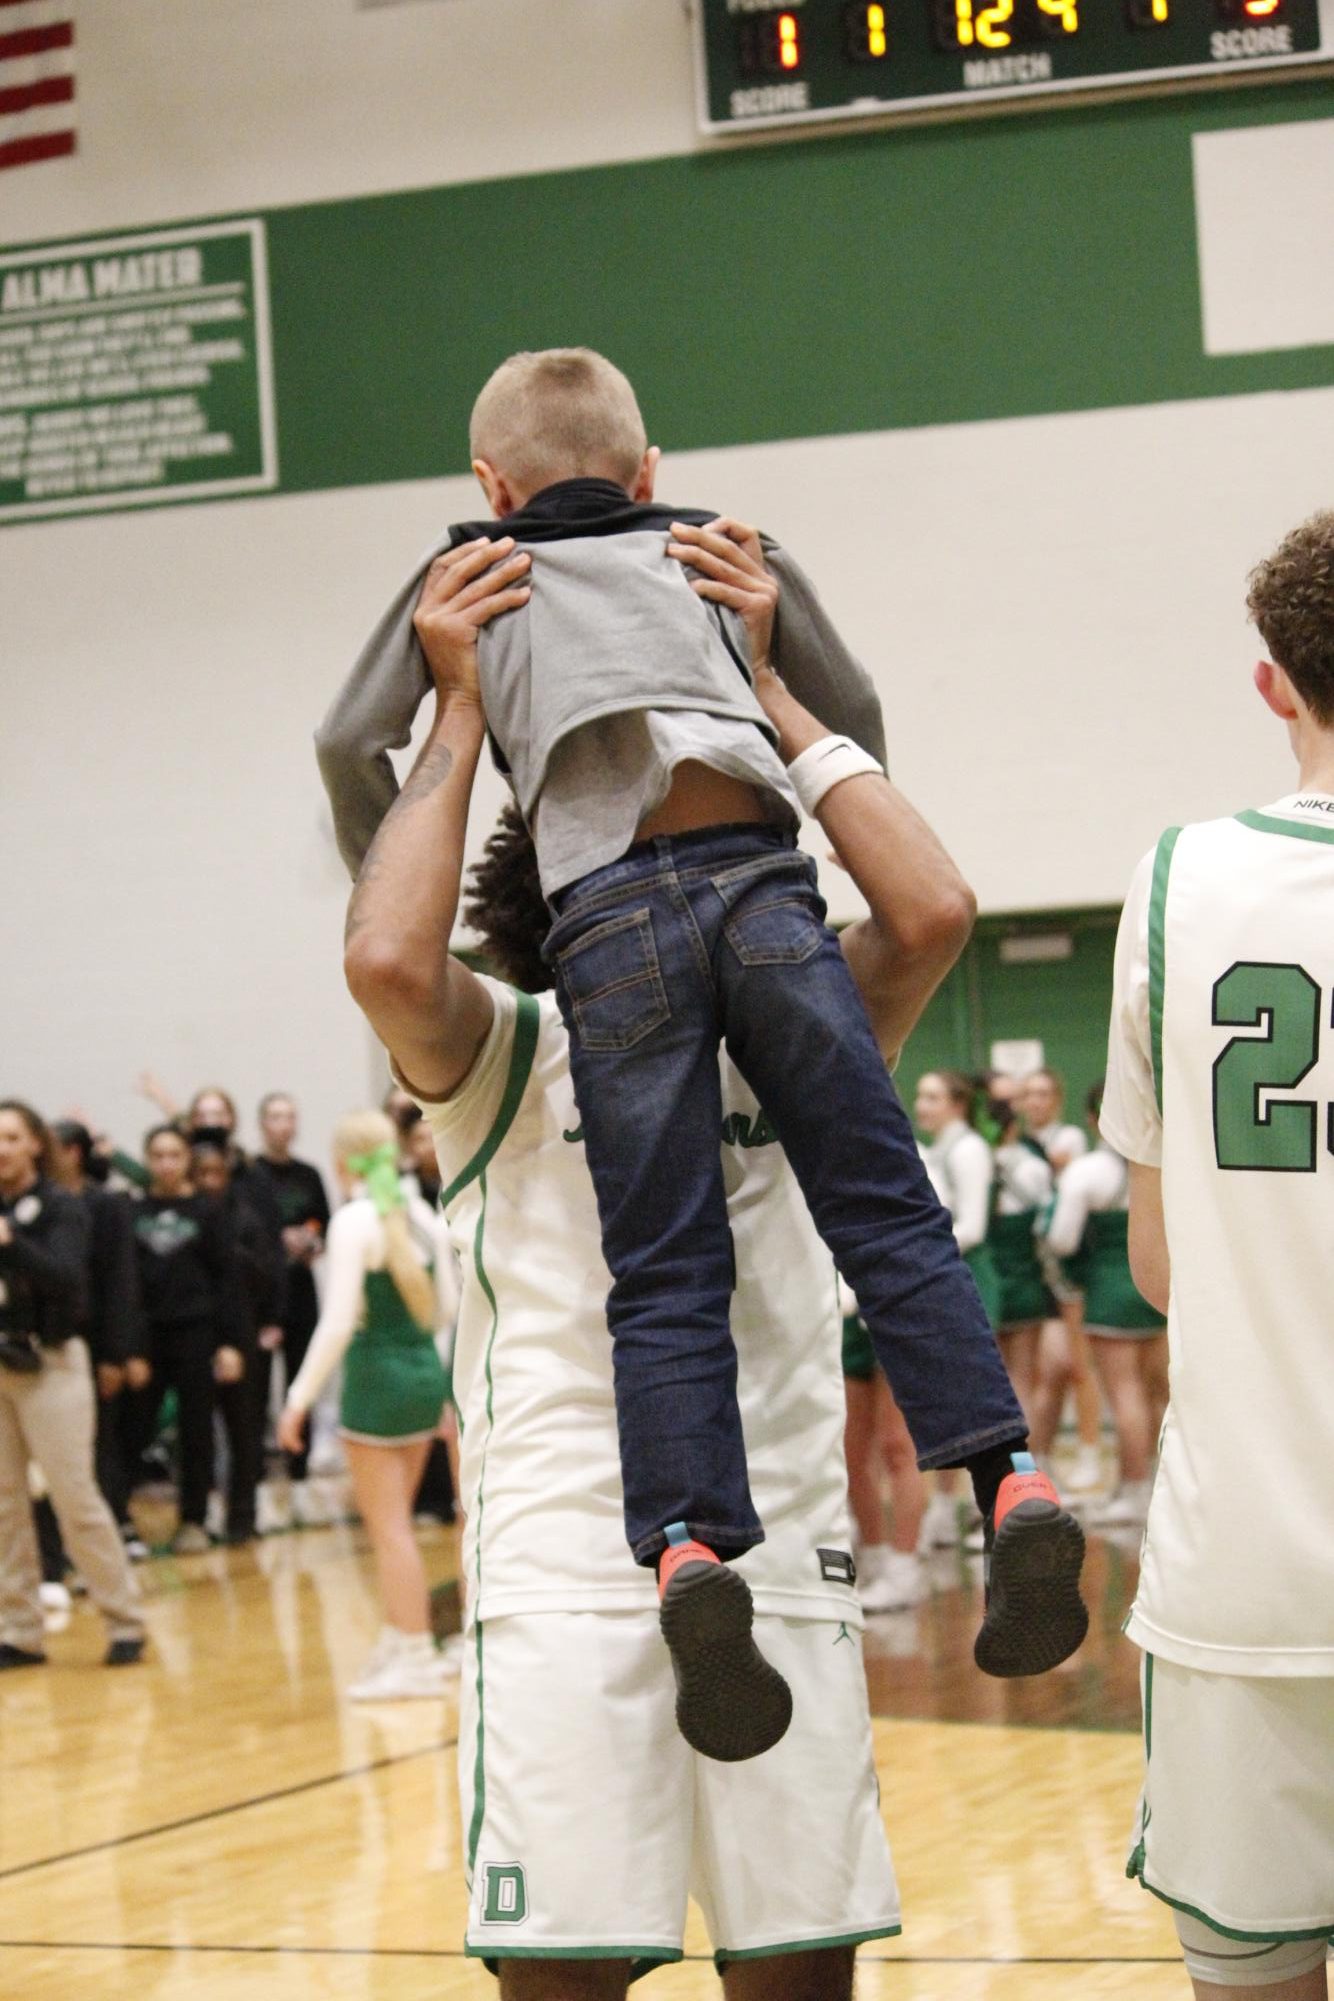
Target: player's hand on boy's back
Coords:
[[464, 589], [729, 562]]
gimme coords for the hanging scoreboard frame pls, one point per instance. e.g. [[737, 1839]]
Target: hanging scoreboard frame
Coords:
[[763, 64]]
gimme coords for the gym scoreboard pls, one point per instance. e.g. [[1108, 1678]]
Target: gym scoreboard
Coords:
[[763, 63]]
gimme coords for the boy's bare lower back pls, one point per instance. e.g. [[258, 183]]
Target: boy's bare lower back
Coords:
[[702, 797]]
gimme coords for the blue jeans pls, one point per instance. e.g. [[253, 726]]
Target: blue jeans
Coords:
[[720, 933]]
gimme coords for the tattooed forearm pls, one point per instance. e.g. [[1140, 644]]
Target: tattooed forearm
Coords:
[[428, 774]]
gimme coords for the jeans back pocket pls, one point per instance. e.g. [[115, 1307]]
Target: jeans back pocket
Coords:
[[613, 982], [775, 914]]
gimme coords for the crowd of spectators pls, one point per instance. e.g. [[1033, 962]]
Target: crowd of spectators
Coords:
[[182, 1278]]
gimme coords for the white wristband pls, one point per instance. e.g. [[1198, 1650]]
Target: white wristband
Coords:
[[826, 764]]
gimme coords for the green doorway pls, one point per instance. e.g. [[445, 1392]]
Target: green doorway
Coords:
[[1023, 979]]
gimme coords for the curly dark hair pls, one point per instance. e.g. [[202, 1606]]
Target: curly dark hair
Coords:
[[1291, 599], [503, 904]]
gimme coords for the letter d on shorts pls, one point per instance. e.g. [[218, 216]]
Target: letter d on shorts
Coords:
[[505, 1901]]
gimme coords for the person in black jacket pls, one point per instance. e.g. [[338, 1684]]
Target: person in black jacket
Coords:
[[115, 1331], [296, 1193], [195, 1308], [261, 1269], [47, 1403]]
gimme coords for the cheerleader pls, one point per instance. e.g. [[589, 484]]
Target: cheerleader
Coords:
[[959, 1162], [1064, 1367], [1041, 1099], [386, 1277], [1023, 1192], [1127, 1336]]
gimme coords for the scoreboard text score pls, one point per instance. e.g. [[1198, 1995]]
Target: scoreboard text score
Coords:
[[783, 62]]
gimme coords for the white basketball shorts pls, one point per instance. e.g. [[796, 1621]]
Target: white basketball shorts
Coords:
[[588, 1820], [1236, 1821]]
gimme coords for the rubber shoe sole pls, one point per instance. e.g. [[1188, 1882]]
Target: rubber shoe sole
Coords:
[[1035, 1617], [730, 1703]]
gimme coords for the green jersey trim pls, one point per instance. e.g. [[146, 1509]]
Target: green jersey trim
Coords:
[[723, 1958], [644, 1956], [526, 1024], [479, 1765], [1299, 830], [1228, 1931], [1162, 865]]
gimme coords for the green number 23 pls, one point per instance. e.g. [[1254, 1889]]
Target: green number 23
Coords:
[[1252, 1129]]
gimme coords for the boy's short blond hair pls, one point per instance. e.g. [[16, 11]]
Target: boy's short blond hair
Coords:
[[562, 413]]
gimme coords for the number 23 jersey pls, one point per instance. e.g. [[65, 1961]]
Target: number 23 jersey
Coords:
[[1221, 1072]]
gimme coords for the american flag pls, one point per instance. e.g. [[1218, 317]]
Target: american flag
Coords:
[[36, 81]]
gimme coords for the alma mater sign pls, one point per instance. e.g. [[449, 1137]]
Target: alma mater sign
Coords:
[[135, 369]]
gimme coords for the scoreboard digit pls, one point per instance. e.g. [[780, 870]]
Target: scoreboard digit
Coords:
[[765, 63]]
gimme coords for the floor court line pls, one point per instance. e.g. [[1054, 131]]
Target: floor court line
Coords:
[[221, 1813], [445, 1952]]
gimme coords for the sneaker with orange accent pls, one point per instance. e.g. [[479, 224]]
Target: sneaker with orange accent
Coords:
[[730, 1703], [1034, 1550]]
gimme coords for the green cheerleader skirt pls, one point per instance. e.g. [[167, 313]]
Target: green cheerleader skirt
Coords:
[[1113, 1303], [1023, 1290], [394, 1383]]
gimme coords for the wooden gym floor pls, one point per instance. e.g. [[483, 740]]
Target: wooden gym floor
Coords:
[[220, 1824]]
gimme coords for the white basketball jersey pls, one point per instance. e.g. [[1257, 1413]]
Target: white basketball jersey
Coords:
[[541, 1473], [1221, 1070]]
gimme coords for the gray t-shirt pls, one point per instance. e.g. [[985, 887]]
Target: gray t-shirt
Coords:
[[374, 709], [606, 777]]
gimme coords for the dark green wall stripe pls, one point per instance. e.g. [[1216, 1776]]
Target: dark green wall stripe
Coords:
[[998, 268]]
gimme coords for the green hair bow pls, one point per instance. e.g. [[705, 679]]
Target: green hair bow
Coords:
[[379, 1171]]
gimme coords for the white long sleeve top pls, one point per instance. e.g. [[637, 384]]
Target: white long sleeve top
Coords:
[[1094, 1182], [1024, 1181], [1062, 1144], [354, 1246], [960, 1166]]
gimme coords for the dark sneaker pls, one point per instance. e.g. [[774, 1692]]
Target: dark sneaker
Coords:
[[125, 1653], [1034, 1549], [17, 1657], [730, 1704]]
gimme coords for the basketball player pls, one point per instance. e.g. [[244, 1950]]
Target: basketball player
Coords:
[[1220, 1094], [586, 1818]]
